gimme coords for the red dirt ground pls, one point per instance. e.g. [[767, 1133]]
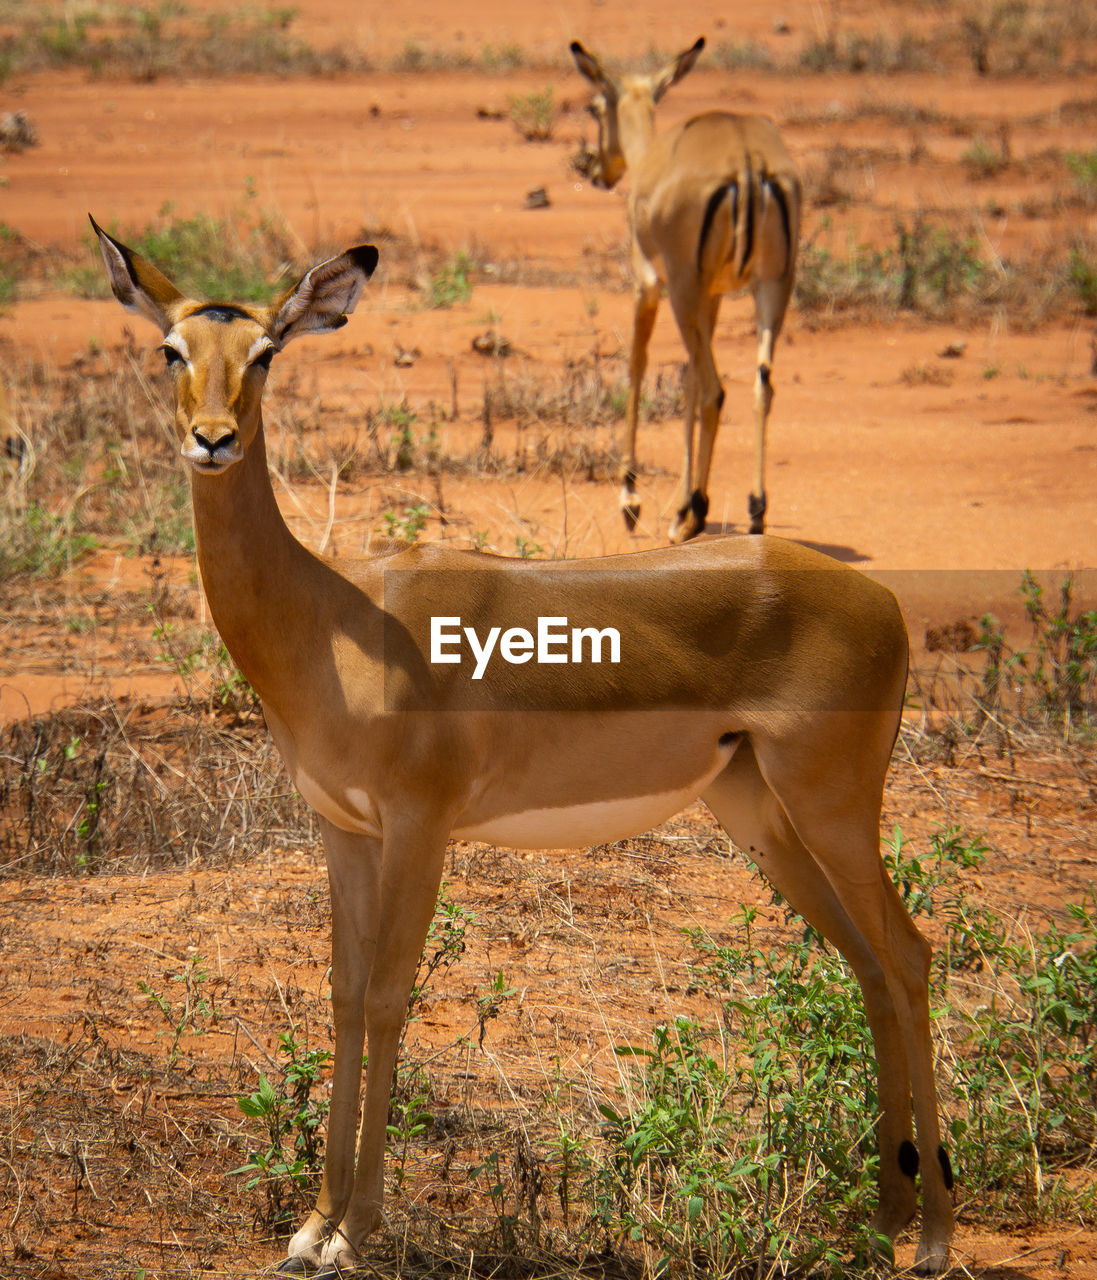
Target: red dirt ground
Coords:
[[946, 476]]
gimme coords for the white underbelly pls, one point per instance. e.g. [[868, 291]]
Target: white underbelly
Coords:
[[583, 824], [545, 827], [596, 822]]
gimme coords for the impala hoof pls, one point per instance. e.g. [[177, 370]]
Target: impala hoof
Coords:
[[690, 520], [757, 510], [630, 503], [931, 1259], [299, 1265]]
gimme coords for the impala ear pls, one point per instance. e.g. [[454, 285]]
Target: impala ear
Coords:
[[324, 297], [676, 69], [136, 283], [590, 67]]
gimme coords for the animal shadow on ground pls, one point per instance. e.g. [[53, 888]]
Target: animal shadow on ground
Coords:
[[836, 550]]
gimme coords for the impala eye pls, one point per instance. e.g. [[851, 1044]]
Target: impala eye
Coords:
[[172, 355]]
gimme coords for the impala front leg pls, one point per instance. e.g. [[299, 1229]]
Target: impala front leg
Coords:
[[354, 879], [410, 872]]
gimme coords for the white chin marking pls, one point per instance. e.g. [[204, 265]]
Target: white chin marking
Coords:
[[207, 466]]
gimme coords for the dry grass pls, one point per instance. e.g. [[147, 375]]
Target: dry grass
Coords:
[[126, 1154]]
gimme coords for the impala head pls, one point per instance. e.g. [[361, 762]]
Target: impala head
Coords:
[[218, 353], [625, 109]]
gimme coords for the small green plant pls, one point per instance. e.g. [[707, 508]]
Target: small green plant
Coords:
[[992, 32], [502, 57], [829, 281], [713, 1149], [982, 160], [935, 261], [1082, 166], [410, 524], [35, 541], [65, 41], [1061, 666], [1082, 276], [204, 666], [10, 241], [293, 1115], [409, 1119], [445, 945], [185, 1016], [450, 284], [490, 1002], [534, 115]]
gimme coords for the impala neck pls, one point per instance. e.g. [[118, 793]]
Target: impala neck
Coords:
[[253, 570], [635, 127]]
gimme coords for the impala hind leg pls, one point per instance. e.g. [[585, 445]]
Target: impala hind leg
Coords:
[[645, 310], [829, 785], [770, 302], [704, 399], [753, 817]]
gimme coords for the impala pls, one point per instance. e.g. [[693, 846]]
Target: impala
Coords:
[[714, 206], [753, 673]]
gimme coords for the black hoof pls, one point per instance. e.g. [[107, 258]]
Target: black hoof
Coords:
[[757, 510], [631, 515], [296, 1266]]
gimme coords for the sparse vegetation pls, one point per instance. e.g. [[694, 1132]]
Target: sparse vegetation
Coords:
[[170, 40], [736, 1128], [938, 269], [240, 256], [1083, 275], [187, 1014], [984, 161], [451, 284], [534, 115], [10, 251], [409, 525], [292, 1114], [564, 1104], [1082, 167]]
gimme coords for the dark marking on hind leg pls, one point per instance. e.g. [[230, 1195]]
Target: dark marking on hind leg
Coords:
[[630, 503], [908, 1158], [946, 1167]]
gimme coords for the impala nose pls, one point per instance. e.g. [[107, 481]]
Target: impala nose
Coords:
[[212, 442]]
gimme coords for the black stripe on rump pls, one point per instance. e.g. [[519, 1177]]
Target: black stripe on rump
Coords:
[[748, 228], [778, 193], [714, 202]]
